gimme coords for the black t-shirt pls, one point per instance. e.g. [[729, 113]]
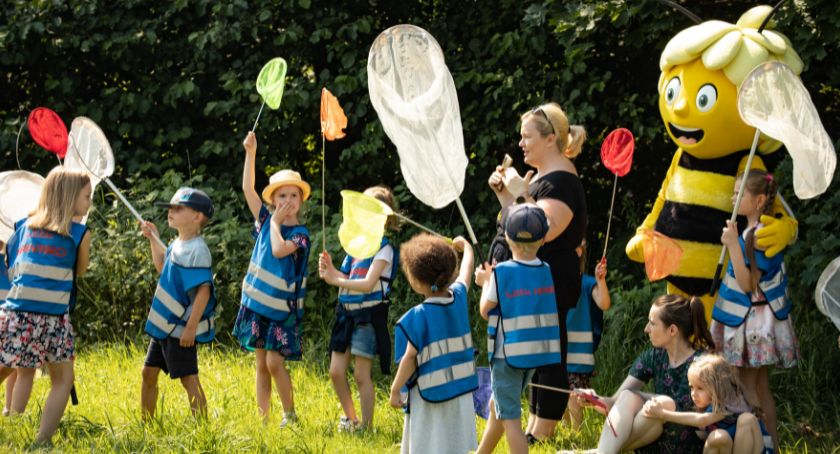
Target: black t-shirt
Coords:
[[559, 253]]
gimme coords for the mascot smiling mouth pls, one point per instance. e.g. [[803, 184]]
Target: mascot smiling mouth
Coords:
[[686, 136]]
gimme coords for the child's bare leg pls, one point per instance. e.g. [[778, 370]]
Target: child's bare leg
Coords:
[[493, 432], [282, 379], [718, 442], [149, 391], [22, 385], [263, 385], [517, 443], [5, 372], [646, 430], [748, 437], [367, 397], [10, 389], [195, 393], [61, 380], [338, 374]]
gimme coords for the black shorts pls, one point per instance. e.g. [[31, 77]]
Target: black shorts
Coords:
[[174, 360]]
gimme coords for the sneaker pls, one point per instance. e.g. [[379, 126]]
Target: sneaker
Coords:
[[289, 419], [348, 425]]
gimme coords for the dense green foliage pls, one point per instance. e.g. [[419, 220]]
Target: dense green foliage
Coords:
[[171, 84]]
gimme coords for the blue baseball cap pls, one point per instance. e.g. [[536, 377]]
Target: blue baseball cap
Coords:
[[191, 198], [526, 223]]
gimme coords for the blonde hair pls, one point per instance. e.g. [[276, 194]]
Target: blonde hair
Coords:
[[569, 138], [721, 382], [385, 195], [524, 248], [57, 204], [734, 48]]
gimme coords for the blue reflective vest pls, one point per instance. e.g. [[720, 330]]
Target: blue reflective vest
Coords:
[[5, 284], [527, 314], [171, 304], [733, 304], [357, 269], [42, 269], [583, 326], [439, 329], [275, 287]]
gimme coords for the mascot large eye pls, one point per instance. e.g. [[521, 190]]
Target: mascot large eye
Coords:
[[672, 90], [706, 97]]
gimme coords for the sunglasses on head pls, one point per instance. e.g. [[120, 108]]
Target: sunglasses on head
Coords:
[[539, 110]]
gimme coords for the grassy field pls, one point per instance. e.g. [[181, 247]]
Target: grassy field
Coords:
[[107, 419]]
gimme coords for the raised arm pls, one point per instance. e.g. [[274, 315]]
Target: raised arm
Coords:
[[601, 293], [150, 231], [467, 260], [251, 196]]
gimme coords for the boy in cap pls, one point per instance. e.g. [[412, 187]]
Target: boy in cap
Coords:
[[523, 330], [184, 303]]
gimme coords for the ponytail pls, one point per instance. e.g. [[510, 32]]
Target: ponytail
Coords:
[[574, 145], [701, 338]]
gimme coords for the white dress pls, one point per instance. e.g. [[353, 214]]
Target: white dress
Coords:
[[440, 428]]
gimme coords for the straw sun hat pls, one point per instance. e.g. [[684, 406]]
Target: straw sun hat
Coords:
[[285, 177]]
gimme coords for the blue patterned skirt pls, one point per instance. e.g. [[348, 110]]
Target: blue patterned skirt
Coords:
[[254, 331]]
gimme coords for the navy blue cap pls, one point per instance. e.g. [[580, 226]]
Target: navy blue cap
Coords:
[[526, 223], [191, 198]]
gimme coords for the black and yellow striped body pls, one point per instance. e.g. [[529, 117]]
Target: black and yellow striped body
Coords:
[[698, 202]]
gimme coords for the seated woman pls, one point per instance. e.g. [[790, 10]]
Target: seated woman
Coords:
[[679, 334]]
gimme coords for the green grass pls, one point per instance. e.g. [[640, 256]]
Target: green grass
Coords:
[[107, 419]]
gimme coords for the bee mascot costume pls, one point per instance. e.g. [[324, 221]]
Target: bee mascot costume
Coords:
[[702, 68]]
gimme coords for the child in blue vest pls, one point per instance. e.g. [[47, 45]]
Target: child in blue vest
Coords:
[[727, 419], [184, 303], [585, 323], [434, 349], [361, 320], [523, 328], [274, 288], [45, 255], [751, 323]]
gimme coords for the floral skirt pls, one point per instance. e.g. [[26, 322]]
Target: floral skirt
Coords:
[[254, 331], [29, 340], [762, 340]]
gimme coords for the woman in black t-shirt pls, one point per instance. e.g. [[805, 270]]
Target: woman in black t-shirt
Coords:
[[549, 144]]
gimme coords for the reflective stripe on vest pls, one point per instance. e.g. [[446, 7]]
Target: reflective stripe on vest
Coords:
[[444, 347], [528, 314], [580, 357], [42, 269], [356, 269], [271, 285], [443, 376]]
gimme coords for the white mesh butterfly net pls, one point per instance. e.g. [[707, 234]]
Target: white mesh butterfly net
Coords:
[[414, 95]]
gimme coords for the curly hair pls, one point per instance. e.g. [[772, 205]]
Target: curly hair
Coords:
[[429, 260]]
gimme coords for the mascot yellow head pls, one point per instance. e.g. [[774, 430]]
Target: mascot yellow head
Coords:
[[702, 68]]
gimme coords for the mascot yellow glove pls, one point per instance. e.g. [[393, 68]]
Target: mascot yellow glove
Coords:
[[635, 248], [775, 234]]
